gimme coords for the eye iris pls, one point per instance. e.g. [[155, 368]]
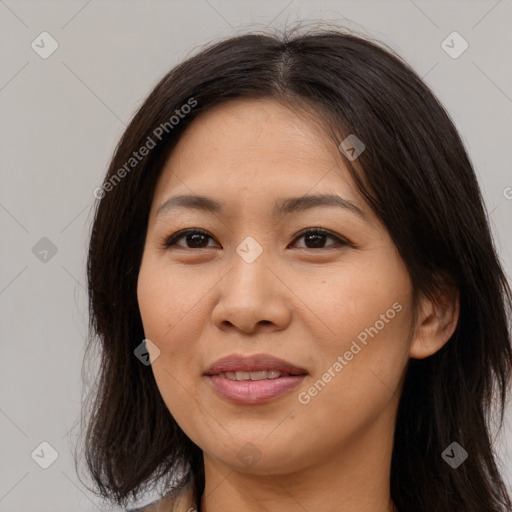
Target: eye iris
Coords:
[[315, 238], [195, 239]]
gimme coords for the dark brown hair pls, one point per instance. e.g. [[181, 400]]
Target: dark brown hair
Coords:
[[416, 176]]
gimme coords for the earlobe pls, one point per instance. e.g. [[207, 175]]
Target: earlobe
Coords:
[[436, 323]]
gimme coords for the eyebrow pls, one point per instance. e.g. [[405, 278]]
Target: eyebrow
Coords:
[[281, 207]]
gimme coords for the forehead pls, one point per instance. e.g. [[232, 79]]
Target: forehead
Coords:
[[243, 150]]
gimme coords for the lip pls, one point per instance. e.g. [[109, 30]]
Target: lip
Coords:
[[253, 363], [251, 392], [254, 391]]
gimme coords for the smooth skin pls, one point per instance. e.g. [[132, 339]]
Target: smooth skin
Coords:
[[304, 299]]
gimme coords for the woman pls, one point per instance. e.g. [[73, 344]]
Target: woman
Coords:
[[296, 292]]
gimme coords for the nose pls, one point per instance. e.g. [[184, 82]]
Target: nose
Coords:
[[252, 297]]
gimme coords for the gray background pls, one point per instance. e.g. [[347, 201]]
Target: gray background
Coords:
[[60, 120]]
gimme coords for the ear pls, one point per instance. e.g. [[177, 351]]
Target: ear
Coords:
[[436, 322]]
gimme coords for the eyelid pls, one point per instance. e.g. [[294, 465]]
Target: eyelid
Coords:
[[341, 241], [170, 240]]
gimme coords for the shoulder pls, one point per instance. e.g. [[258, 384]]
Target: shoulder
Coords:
[[151, 507], [183, 500], [165, 504]]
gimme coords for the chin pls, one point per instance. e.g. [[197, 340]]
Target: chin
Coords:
[[258, 456]]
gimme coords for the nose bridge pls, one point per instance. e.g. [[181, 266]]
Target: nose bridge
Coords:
[[249, 268], [250, 293]]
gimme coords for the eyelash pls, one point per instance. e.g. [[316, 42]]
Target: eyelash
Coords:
[[171, 241]]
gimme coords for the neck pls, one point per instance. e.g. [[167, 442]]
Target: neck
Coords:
[[353, 478]]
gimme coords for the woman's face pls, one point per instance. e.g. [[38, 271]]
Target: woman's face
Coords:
[[334, 308]]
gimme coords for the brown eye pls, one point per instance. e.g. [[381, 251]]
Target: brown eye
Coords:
[[314, 238], [194, 238]]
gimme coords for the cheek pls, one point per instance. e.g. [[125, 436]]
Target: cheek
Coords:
[[362, 344], [165, 300], [170, 306], [358, 371], [358, 299]]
